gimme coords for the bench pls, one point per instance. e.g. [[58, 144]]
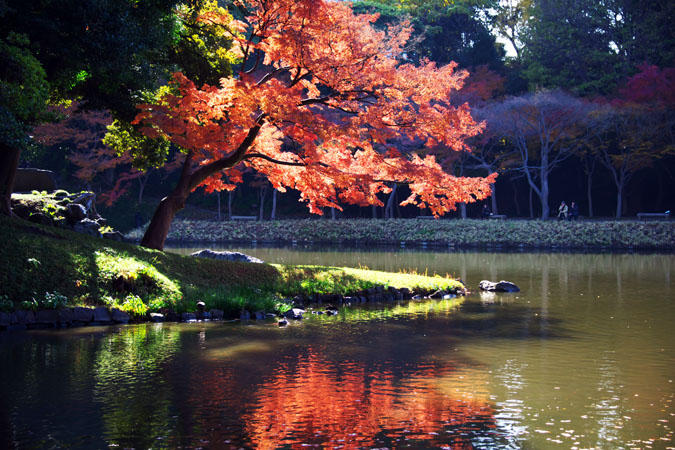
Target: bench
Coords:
[[244, 217], [645, 216], [425, 217], [497, 216]]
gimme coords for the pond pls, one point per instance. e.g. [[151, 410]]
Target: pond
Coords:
[[582, 358]]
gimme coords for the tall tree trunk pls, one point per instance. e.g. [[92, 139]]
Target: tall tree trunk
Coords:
[[531, 203], [493, 198], [620, 186], [589, 193], [229, 203], [543, 197], [220, 217], [9, 163], [462, 210], [332, 214], [273, 216], [263, 192], [374, 212], [389, 209], [515, 197]]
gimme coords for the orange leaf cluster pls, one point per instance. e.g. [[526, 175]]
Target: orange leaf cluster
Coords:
[[320, 102]]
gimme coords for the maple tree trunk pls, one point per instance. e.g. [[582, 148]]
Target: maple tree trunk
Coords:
[[155, 235], [619, 200], [332, 213], [158, 230], [493, 198], [462, 210], [9, 163], [220, 217]]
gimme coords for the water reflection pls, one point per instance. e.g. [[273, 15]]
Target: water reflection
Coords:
[[312, 402], [583, 357]]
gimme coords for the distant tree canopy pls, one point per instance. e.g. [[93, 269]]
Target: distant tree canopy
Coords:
[[442, 31], [589, 46]]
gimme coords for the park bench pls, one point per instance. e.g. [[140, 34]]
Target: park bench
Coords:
[[244, 217], [498, 216], [645, 216], [425, 217]]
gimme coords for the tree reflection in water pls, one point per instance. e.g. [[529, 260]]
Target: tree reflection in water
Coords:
[[322, 404]]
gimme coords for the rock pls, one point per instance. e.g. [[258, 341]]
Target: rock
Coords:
[[501, 286], [101, 314], [294, 313], [47, 316], [259, 315], [21, 210], [244, 315], [119, 316], [5, 319], [81, 314], [448, 296], [25, 317], [283, 322], [417, 297], [27, 180], [114, 236], [86, 226], [437, 294], [170, 315], [38, 217], [201, 306], [86, 199], [65, 315], [188, 317], [217, 314], [75, 212], [227, 256], [156, 317]]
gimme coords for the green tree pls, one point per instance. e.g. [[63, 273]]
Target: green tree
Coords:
[[23, 95]]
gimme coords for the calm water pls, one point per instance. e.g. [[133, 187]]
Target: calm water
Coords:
[[582, 358]]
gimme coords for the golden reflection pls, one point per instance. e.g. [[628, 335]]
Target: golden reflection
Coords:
[[346, 406]]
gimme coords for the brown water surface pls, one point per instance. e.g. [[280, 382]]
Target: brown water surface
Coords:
[[582, 358]]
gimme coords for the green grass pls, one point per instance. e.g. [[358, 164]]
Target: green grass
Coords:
[[51, 267], [625, 234]]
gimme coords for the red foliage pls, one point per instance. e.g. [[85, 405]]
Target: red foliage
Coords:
[[320, 109], [651, 85]]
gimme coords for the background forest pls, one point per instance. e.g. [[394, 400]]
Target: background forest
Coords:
[[577, 97]]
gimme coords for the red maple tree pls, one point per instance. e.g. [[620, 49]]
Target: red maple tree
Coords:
[[318, 104]]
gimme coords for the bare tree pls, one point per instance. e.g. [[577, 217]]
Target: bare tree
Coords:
[[542, 128]]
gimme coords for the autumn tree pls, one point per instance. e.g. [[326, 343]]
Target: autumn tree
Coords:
[[542, 128], [315, 74]]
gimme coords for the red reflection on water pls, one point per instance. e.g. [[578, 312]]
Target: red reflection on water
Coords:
[[320, 404]]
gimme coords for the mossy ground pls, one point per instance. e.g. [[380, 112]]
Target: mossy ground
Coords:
[[37, 262]]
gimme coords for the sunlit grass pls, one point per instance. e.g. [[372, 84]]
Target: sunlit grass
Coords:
[[37, 261]]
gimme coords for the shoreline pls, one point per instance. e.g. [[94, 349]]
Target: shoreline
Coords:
[[471, 234]]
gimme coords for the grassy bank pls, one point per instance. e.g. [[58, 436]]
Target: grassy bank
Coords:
[[43, 267], [656, 235]]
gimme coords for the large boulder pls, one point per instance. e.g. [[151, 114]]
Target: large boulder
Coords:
[[75, 212], [501, 286], [27, 180], [87, 226], [227, 256]]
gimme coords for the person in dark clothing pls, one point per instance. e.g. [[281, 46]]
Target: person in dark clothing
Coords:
[[486, 213], [574, 211]]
